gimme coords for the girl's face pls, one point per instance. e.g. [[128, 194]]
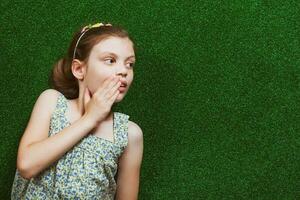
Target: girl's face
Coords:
[[113, 55]]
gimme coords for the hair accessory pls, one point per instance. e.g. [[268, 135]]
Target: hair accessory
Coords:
[[94, 26], [84, 30]]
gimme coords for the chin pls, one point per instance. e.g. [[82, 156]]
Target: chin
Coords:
[[119, 97]]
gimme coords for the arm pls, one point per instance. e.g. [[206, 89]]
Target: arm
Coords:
[[129, 165], [36, 150]]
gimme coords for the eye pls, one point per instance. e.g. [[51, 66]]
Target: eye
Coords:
[[107, 61], [131, 64]]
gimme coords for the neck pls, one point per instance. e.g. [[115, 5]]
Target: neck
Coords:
[[80, 107], [79, 101]]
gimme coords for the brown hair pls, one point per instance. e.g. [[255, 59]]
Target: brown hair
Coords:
[[61, 77]]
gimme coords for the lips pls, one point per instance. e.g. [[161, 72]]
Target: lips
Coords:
[[123, 83]]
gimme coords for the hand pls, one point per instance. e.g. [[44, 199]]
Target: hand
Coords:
[[97, 107]]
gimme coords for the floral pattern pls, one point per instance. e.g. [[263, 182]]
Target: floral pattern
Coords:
[[87, 171]]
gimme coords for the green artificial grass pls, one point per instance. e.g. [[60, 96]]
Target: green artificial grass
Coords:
[[216, 90]]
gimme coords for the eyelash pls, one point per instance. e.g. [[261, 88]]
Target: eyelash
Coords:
[[114, 59]]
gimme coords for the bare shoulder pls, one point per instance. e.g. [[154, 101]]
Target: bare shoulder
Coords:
[[135, 132], [47, 101], [50, 93], [38, 125]]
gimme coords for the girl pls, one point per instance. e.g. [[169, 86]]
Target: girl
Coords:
[[75, 146]]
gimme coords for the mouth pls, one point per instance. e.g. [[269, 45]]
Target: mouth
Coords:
[[123, 83], [122, 88]]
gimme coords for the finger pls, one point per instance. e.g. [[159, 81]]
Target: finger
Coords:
[[113, 97], [112, 91], [110, 86], [105, 83]]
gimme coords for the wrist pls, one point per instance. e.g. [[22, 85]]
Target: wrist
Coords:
[[88, 121]]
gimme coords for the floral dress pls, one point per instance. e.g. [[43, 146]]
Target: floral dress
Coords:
[[87, 171]]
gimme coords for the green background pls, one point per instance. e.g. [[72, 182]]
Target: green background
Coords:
[[216, 90]]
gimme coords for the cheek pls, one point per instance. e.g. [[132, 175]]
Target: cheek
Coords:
[[96, 80], [130, 78]]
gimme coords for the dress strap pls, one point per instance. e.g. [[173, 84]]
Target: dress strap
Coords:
[[61, 104], [58, 120], [121, 129]]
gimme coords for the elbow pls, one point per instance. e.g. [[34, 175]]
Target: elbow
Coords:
[[24, 170]]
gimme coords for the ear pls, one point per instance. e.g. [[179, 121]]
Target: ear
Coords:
[[78, 69]]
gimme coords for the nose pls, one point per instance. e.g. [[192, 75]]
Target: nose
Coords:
[[121, 71]]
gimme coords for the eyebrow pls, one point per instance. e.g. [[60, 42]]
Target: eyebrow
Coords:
[[110, 53]]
